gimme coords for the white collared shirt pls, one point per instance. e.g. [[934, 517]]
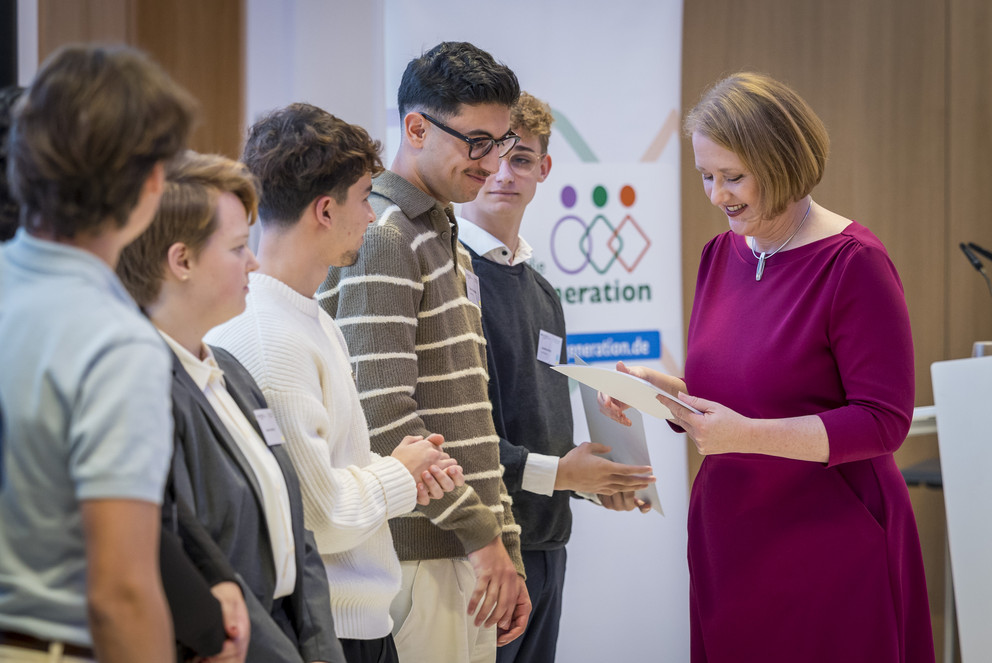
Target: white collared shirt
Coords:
[[540, 470], [275, 495], [491, 248]]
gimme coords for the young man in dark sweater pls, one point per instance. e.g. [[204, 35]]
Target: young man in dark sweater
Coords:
[[524, 328]]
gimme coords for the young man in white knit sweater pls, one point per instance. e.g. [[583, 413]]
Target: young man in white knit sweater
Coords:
[[315, 176]]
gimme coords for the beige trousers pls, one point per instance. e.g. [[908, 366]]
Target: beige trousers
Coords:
[[53, 655], [431, 623]]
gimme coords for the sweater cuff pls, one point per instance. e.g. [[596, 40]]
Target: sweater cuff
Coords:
[[483, 529], [399, 488], [511, 541], [540, 474]]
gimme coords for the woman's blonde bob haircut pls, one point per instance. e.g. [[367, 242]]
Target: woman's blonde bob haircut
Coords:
[[777, 136], [187, 214]]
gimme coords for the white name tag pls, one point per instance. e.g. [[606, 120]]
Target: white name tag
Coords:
[[270, 429], [549, 348], [472, 289]]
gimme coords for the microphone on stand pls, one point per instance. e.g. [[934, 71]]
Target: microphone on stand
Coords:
[[984, 252], [972, 258], [976, 263]]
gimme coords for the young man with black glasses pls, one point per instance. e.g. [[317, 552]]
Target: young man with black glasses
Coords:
[[409, 310]]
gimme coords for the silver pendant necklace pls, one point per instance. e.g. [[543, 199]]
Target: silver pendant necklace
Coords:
[[764, 255]]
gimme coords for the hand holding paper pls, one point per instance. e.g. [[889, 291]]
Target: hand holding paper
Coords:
[[624, 502], [583, 471], [642, 388], [713, 428], [627, 446], [667, 383]]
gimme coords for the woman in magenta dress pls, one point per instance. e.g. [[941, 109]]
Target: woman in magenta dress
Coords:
[[802, 540]]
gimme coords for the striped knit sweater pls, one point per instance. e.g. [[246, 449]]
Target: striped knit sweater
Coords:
[[420, 364], [298, 357]]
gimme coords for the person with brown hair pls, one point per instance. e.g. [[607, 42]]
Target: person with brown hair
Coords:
[[532, 409], [85, 382], [408, 313], [189, 272], [315, 172], [802, 541]]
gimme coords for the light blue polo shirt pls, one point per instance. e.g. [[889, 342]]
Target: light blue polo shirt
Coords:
[[85, 390]]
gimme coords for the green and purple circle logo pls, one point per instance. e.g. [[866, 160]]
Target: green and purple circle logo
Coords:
[[577, 244]]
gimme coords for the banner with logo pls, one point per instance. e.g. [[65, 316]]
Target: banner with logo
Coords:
[[606, 233], [611, 260]]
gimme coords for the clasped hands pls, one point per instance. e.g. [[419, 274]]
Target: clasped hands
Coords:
[[435, 472]]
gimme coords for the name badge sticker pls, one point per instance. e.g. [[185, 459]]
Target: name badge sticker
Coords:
[[270, 429], [549, 348], [472, 288]]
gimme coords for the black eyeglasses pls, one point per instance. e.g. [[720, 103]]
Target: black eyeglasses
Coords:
[[478, 147]]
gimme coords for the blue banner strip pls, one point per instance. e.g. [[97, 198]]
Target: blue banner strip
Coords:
[[614, 346]]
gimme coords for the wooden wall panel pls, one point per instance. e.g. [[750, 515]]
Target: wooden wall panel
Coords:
[[969, 303], [63, 22], [201, 44], [876, 73]]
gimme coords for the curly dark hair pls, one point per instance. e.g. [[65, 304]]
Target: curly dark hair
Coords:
[[455, 73], [9, 209], [88, 133], [301, 152]]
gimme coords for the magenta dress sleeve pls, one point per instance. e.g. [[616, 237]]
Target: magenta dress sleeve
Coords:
[[873, 346]]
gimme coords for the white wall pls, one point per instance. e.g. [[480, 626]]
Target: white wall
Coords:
[[27, 40], [325, 52]]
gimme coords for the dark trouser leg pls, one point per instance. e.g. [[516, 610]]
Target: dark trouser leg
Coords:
[[380, 650], [545, 581]]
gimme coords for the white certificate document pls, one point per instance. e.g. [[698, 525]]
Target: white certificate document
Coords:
[[628, 389], [628, 443]]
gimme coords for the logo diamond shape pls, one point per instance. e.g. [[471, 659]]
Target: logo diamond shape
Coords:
[[634, 236]]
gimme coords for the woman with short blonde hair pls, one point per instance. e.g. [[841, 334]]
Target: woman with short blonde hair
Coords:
[[802, 540], [189, 272]]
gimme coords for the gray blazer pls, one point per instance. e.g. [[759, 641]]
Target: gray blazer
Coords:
[[214, 478]]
